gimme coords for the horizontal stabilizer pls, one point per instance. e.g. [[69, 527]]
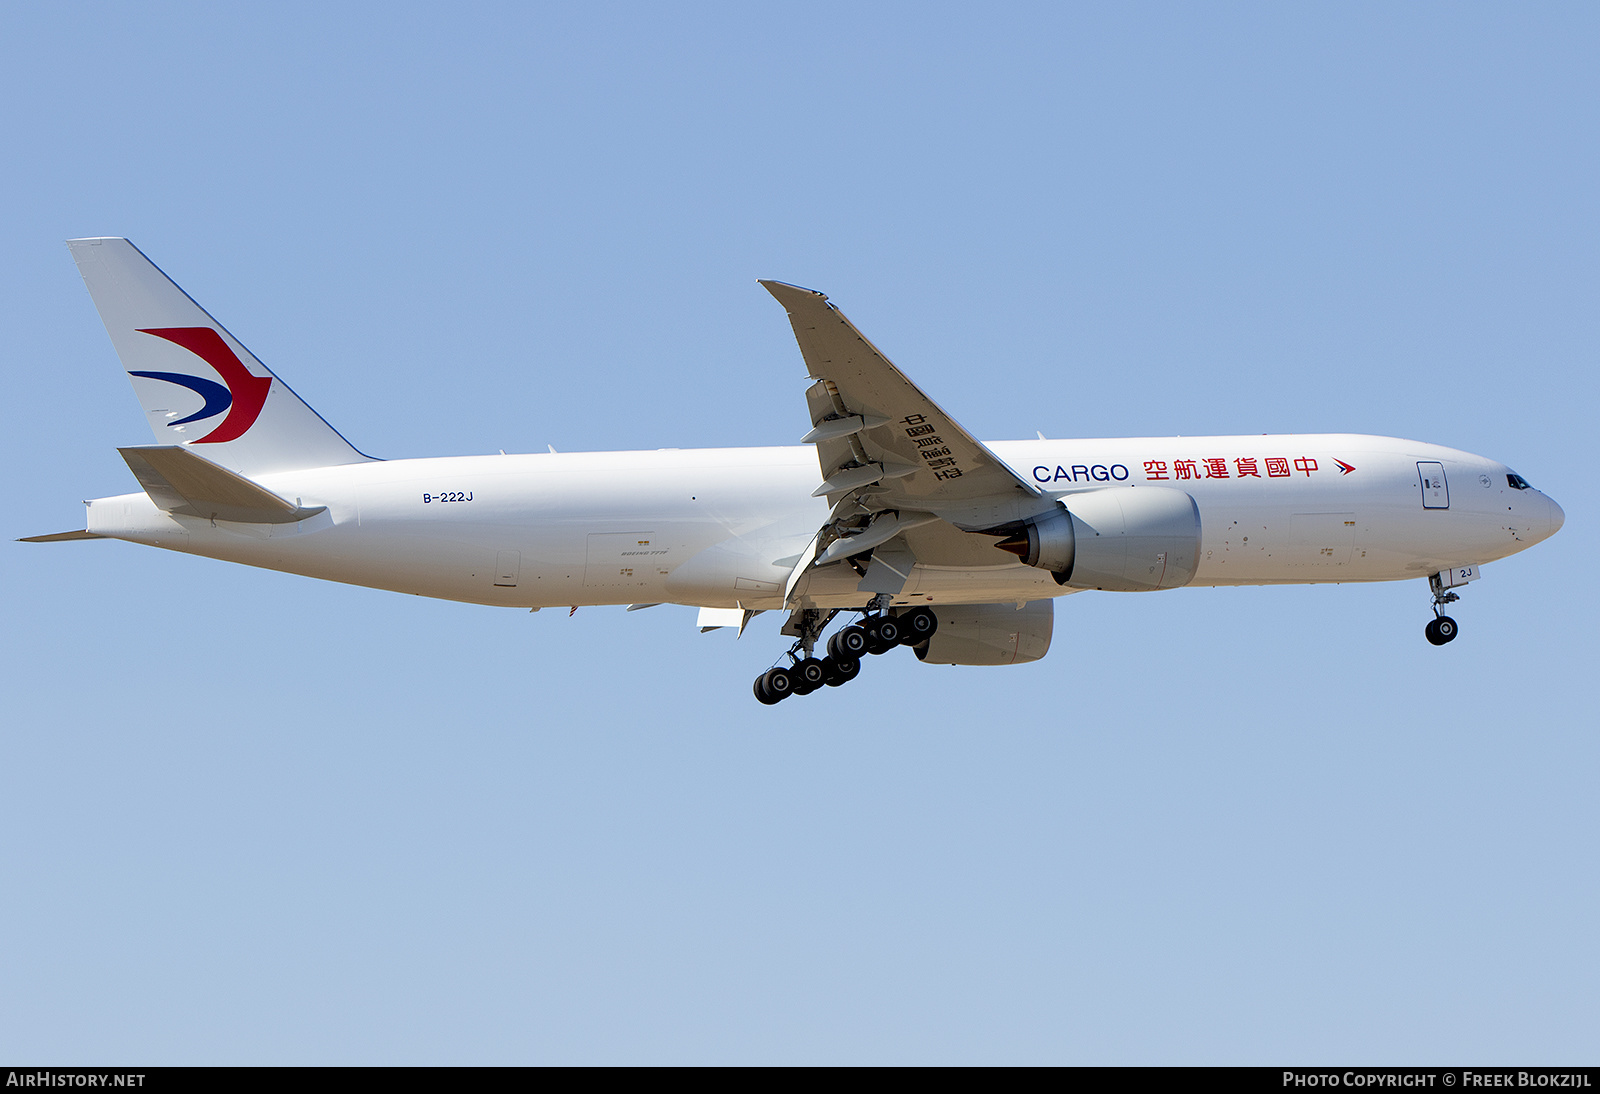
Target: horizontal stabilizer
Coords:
[[60, 537], [180, 482]]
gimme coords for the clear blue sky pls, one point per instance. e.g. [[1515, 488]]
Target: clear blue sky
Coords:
[[247, 817]]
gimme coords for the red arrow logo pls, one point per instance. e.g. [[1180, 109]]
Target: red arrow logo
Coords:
[[1344, 468], [249, 390]]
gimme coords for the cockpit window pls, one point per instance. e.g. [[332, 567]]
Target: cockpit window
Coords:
[[1517, 482]]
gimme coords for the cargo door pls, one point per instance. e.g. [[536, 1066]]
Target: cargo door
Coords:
[[1321, 539], [622, 560], [507, 565]]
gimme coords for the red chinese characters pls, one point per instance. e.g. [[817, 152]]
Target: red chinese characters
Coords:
[[1216, 467]]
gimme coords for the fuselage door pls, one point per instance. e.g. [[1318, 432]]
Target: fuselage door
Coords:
[[622, 560], [1435, 490], [507, 566], [1321, 539]]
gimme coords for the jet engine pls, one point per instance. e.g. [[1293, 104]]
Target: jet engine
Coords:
[[990, 634], [1125, 539]]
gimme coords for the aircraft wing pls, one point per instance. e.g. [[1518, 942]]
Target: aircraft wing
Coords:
[[876, 431], [892, 460]]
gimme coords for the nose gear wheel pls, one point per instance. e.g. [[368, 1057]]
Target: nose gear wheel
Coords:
[[1441, 628]]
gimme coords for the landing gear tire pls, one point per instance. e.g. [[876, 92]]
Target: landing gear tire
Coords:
[[883, 633], [1441, 630], [809, 675], [841, 670], [890, 631], [848, 644], [774, 686], [918, 625]]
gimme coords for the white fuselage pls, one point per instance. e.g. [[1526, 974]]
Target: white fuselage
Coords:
[[723, 527]]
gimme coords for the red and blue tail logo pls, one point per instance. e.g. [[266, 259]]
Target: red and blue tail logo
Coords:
[[242, 393]]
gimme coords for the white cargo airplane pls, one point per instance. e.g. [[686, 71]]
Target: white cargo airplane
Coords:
[[888, 508]]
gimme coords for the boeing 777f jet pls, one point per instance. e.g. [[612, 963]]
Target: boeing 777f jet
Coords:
[[888, 510]]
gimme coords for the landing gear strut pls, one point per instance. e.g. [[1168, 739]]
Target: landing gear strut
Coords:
[[877, 633], [1441, 628]]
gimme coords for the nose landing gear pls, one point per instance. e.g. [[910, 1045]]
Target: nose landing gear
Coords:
[[875, 634], [1441, 628]]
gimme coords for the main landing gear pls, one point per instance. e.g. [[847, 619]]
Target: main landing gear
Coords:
[[1441, 628], [875, 634], [806, 675]]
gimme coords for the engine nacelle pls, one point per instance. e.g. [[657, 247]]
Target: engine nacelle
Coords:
[[1126, 539], [990, 634]]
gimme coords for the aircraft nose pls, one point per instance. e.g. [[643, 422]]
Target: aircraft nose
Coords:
[[1557, 516]]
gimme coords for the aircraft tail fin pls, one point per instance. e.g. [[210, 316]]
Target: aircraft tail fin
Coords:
[[197, 383]]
